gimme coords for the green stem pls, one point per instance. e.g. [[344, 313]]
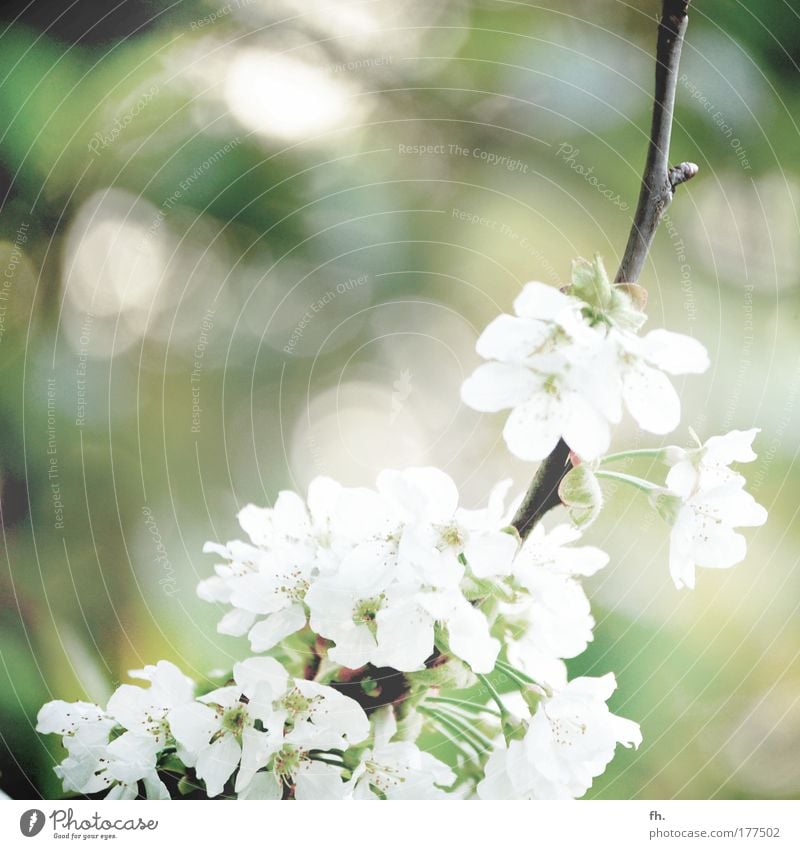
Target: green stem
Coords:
[[636, 452], [517, 675], [473, 707], [484, 679], [323, 760], [471, 736], [639, 483]]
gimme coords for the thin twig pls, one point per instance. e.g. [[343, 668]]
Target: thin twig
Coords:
[[658, 187]]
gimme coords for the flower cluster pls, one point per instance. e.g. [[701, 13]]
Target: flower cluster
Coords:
[[404, 646], [373, 571], [567, 361]]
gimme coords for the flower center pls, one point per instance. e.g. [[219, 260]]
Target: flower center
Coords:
[[286, 762], [366, 611], [451, 537], [234, 720], [295, 702]]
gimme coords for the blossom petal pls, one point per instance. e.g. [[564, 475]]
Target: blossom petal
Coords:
[[538, 300], [315, 780], [498, 386], [674, 353], [510, 339], [193, 725], [651, 399], [236, 622], [264, 786], [276, 627], [216, 763], [490, 554], [534, 428], [586, 431], [257, 748]]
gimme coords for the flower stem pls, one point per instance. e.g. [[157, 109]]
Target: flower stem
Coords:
[[636, 452], [326, 759], [472, 707], [471, 736], [517, 675], [496, 698], [639, 483]]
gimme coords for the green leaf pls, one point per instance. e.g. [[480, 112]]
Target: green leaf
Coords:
[[580, 493], [186, 786], [590, 283]]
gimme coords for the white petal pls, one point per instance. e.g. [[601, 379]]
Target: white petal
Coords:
[[490, 554], [538, 300], [249, 673], [737, 507], [263, 786], [733, 447], [534, 428], [257, 748], [216, 763], [276, 627], [424, 492], [256, 522], [510, 339], [338, 713], [257, 593], [469, 638], [498, 386], [496, 783], [316, 780], [651, 399], [675, 353], [214, 589], [236, 622], [193, 725], [586, 430], [405, 637]]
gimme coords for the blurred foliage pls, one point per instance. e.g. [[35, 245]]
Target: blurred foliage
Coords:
[[183, 183]]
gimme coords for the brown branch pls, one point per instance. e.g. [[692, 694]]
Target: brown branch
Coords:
[[658, 187]]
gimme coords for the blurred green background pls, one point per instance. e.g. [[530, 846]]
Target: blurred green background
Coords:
[[227, 266]]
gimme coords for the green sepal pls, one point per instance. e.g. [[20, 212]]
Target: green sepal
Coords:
[[580, 493]]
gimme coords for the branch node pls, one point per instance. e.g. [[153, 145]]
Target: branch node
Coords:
[[681, 173]]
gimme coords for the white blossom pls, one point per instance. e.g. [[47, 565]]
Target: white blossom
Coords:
[[398, 769], [570, 740], [259, 720], [95, 763], [705, 502], [565, 365], [551, 618]]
